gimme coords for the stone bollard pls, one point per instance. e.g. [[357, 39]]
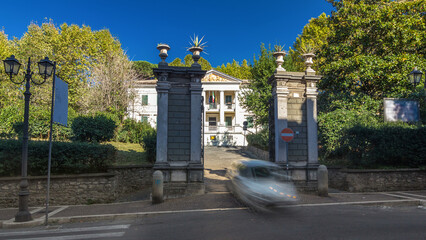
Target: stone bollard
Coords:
[[322, 181], [157, 187]]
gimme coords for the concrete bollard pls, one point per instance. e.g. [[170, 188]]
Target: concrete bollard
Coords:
[[157, 187], [322, 181]]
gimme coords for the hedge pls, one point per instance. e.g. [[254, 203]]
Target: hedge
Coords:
[[93, 128], [389, 145], [67, 157]]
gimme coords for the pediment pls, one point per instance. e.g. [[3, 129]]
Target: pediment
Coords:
[[216, 76]]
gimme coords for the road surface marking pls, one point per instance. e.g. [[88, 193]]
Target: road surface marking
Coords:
[[414, 195], [65, 230], [402, 196], [74, 237]]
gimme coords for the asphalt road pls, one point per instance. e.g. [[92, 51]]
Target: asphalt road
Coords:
[[325, 222]]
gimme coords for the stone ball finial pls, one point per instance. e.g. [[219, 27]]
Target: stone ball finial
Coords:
[[309, 62], [163, 53]]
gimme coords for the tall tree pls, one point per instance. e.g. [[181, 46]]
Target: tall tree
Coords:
[[188, 61], [144, 69], [373, 46], [234, 69], [257, 94], [111, 86], [177, 62], [205, 65], [313, 39]]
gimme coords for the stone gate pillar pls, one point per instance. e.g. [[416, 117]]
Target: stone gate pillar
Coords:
[[179, 126], [293, 106]]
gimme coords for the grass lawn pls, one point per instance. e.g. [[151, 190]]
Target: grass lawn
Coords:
[[129, 154]]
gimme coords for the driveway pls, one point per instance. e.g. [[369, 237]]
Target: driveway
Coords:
[[216, 161]]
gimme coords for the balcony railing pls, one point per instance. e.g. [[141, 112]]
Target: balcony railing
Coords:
[[213, 106]]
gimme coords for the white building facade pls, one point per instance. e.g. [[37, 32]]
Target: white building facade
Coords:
[[223, 115]]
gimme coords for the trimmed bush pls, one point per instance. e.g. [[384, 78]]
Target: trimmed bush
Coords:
[[67, 157], [93, 129], [132, 131], [386, 145], [149, 143], [259, 140]]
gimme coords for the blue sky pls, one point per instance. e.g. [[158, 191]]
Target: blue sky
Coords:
[[232, 29]]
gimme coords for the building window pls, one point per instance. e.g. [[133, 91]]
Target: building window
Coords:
[[249, 122], [228, 121], [228, 99], [144, 100], [144, 119], [212, 121]]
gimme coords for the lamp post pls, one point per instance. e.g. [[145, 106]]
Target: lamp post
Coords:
[[415, 76], [11, 66]]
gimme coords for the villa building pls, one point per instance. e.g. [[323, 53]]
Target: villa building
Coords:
[[223, 116]]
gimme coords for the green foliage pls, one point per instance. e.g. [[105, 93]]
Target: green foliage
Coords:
[[236, 70], [132, 131], [177, 62], [93, 129], [112, 86], [388, 144], [373, 46], [339, 112], [313, 39], [257, 94], [259, 140], [149, 143], [188, 61], [144, 69], [205, 65], [78, 52], [67, 157]]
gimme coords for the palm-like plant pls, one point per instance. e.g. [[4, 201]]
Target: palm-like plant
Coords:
[[279, 48], [197, 42]]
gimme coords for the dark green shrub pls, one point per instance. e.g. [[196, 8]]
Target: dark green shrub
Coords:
[[259, 140], [132, 131], [93, 129], [332, 127], [388, 145], [67, 157], [149, 143]]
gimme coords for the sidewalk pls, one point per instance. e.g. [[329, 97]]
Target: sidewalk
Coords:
[[213, 201]]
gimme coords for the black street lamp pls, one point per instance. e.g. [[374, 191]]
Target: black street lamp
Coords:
[[415, 76], [11, 67]]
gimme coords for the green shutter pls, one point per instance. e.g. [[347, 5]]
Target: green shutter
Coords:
[[228, 121], [144, 100]]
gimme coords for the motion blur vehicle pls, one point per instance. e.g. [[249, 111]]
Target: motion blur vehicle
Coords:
[[261, 184]]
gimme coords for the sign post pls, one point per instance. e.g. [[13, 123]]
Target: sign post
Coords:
[[287, 135], [59, 115]]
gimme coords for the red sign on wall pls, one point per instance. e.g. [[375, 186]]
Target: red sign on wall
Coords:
[[287, 134]]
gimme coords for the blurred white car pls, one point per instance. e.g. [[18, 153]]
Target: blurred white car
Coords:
[[260, 183]]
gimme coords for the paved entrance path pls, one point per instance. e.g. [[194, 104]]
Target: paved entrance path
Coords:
[[216, 161]]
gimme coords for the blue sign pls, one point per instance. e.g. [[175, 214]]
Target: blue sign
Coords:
[[60, 109], [401, 110]]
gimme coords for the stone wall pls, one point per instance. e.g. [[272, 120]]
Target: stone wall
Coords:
[[298, 147], [179, 125], [78, 189], [259, 153], [373, 180]]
